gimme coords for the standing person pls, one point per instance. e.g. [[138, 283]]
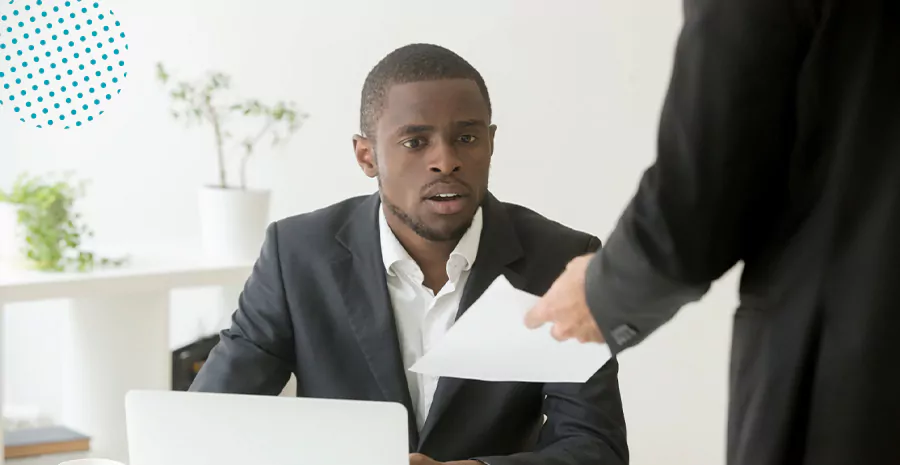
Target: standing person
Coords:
[[779, 147]]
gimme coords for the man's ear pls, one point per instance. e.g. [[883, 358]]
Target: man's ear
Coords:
[[492, 129], [365, 155]]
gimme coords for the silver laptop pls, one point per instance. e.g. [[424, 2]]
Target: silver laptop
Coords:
[[188, 428]]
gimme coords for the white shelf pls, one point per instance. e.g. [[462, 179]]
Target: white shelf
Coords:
[[119, 336], [140, 274]]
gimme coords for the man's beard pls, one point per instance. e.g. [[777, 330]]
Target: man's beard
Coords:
[[421, 229]]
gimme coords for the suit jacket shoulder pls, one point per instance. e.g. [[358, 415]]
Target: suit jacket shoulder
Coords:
[[314, 232], [535, 229], [547, 246]]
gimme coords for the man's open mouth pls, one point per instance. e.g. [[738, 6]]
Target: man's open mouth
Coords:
[[445, 197]]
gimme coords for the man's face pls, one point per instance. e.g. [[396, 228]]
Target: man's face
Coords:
[[431, 153]]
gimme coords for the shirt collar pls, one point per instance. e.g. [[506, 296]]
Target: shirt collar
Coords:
[[392, 252]]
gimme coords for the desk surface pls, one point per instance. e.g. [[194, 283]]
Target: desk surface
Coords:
[[140, 274]]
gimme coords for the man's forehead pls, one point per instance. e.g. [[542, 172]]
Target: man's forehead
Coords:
[[434, 100]]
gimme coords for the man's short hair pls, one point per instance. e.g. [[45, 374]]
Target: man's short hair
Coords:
[[412, 63]]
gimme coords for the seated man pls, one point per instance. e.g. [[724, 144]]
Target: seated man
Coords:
[[349, 297]]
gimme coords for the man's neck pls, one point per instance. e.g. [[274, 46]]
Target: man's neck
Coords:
[[431, 256]]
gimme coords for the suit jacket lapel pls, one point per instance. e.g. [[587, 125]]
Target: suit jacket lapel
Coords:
[[365, 295], [499, 247]]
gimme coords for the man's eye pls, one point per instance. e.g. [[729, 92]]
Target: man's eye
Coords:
[[413, 143], [467, 139]]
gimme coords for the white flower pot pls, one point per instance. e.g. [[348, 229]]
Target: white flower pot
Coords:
[[233, 222], [10, 239]]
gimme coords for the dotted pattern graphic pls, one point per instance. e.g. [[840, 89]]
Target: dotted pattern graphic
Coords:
[[61, 61]]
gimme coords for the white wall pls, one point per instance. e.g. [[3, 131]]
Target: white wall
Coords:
[[576, 87]]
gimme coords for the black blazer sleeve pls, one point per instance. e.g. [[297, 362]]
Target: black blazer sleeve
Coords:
[[256, 354], [726, 131], [585, 422]]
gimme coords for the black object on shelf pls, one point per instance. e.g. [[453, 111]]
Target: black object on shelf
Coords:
[[187, 361]]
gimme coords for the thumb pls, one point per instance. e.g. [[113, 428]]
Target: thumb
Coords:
[[538, 315]]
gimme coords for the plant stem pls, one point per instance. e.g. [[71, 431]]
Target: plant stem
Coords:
[[244, 159], [220, 154], [249, 151]]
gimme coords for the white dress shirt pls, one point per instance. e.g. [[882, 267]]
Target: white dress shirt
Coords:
[[423, 317]]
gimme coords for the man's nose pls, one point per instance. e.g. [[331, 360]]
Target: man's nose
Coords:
[[444, 159]]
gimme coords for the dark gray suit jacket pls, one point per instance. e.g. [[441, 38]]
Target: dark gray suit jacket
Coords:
[[317, 305], [779, 147]]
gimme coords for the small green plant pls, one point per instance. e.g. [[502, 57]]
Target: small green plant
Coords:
[[53, 231], [201, 102]]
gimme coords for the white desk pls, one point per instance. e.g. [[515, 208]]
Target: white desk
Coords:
[[119, 339]]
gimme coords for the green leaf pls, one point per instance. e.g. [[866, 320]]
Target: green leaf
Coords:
[[53, 230]]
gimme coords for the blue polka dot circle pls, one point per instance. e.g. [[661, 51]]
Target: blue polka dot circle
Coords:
[[61, 61]]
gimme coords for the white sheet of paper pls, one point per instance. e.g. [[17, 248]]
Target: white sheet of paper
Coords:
[[490, 342]]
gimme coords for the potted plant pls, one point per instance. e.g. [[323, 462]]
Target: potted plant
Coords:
[[40, 228], [232, 216]]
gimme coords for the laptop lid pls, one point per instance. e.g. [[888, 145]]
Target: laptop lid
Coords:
[[191, 428]]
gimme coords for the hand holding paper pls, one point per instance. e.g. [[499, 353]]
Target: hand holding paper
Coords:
[[490, 342], [565, 306]]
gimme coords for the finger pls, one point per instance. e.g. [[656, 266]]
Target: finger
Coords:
[[589, 335], [538, 315], [597, 336], [560, 332], [589, 332]]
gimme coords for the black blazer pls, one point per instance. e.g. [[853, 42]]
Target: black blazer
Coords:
[[317, 305], [779, 147]]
